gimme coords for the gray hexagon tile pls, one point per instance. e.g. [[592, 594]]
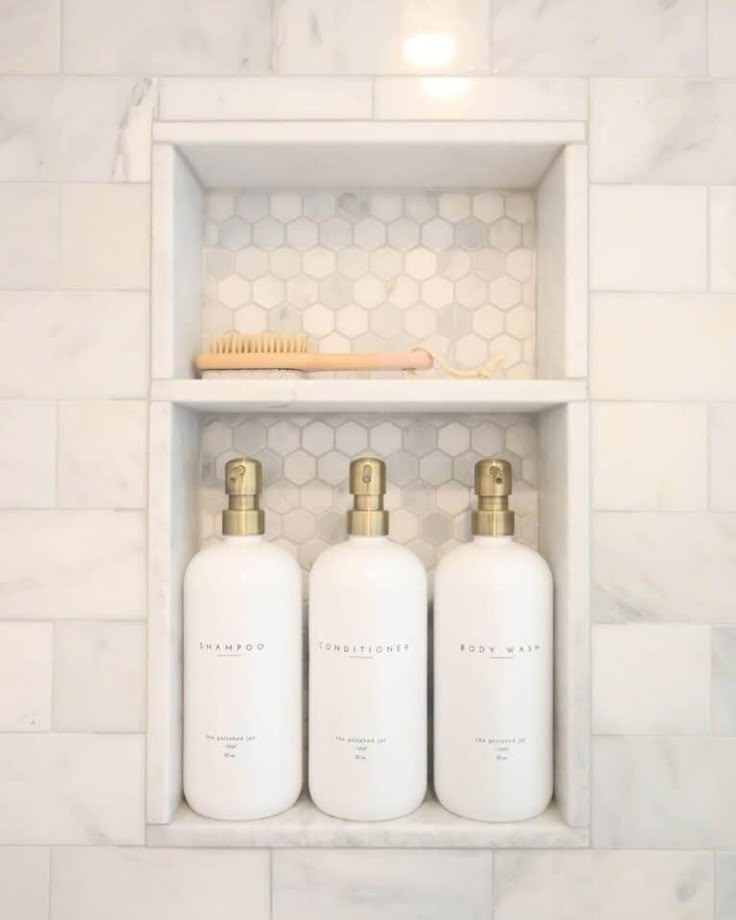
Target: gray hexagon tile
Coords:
[[429, 462], [369, 270]]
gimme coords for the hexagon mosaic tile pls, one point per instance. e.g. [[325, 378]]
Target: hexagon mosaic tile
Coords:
[[376, 270], [429, 462]]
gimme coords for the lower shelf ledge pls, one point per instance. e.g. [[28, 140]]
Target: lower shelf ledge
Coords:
[[430, 826]]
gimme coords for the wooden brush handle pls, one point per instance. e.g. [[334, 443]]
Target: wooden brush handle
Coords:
[[314, 361]]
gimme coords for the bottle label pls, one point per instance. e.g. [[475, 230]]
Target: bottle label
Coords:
[[375, 723]]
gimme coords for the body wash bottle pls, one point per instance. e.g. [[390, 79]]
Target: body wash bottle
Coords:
[[242, 665], [368, 666], [493, 666]]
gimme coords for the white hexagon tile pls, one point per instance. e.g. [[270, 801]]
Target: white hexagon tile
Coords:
[[429, 462], [376, 270]]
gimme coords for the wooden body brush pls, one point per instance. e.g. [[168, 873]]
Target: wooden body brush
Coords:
[[269, 351]]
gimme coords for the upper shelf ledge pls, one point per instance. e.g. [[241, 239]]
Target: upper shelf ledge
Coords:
[[368, 395]]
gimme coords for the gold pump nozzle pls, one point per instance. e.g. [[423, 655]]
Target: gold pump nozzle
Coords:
[[493, 485], [368, 486], [243, 480]]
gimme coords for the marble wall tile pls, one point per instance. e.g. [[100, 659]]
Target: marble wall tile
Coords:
[[664, 793], [318, 36], [725, 886], [722, 234], [24, 883], [89, 344], [668, 567], [648, 238], [492, 98], [76, 128], [72, 565], [166, 37], [29, 36], [71, 789], [631, 37], [122, 883], [721, 38], [724, 680], [25, 677], [368, 884], [651, 679], [109, 253], [722, 452], [99, 677], [29, 235], [662, 131], [627, 357], [635, 456], [28, 456], [102, 454], [607, 885], [233, 98]]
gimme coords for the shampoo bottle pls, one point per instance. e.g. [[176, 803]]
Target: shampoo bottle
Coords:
[[242, 665], [493, 666], [368, 666]]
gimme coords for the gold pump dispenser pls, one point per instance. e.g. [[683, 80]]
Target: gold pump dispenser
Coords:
[[493, 485], [368, 486], [243, 517]]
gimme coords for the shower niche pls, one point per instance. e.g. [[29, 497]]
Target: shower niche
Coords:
[[469, 238]]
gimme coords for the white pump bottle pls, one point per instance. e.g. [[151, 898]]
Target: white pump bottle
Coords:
[[493, 651], [242, 665], [368, 666]]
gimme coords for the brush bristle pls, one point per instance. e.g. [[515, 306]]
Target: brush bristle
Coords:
[[264, 343]]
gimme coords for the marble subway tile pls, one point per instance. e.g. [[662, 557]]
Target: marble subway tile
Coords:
[[28, 456], [722, 234], [25, 677], [166, 37], [24, 883], [72, 565], [664, 567], [724, 680], [105, 236], [628, 360], [313, 36], [483, 98], [721, 39], [722, 452], [648, 238], [29, 36], [29, 235], [76, 128], [650, 456], [125, 882], [71, 789], [89, 345], [664, 793], [662, 131], [233, 98], [99, 677], [725, 885], [401, 884], [102, 454], [607, 885], [651, 679], [631, 37]]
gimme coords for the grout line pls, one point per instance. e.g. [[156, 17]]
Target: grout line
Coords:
[[270, 883], [49, 889]]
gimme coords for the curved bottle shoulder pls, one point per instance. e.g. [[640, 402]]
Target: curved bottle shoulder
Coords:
[[375, 558], [236, 558], [491, 558]]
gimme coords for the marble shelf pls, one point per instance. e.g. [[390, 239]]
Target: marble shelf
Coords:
[[362, 395], [429, 827]]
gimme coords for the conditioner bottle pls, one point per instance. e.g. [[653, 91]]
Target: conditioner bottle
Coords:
[[242, 665], [368, 666], [493, 666]]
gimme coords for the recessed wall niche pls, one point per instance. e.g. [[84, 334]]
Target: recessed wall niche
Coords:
[[306, 429]]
